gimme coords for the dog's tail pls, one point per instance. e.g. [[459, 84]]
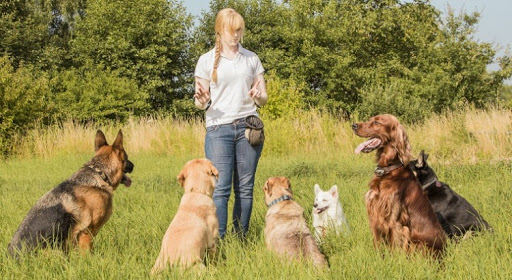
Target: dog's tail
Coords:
[[311, 251]]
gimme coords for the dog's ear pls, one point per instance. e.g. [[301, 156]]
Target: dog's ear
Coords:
[[288, 185], [100, 140], [334, 191], [267, 188], [118, 143], [213, 171], [317, 189], [401, 144], [420, 161], [181, 177]]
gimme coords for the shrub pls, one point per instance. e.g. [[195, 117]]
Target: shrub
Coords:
[[23, 101], [284, 97], [96, 94]]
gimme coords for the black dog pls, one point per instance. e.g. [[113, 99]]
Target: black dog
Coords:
[[454, 212]]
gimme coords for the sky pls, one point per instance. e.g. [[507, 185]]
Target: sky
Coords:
[[493, 27]]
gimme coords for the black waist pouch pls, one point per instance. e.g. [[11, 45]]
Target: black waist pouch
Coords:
[[254, 130]]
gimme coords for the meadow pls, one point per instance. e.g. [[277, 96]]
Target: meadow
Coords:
[[470, 150]]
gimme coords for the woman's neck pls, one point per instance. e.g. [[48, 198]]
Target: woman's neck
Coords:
[[229, 51]]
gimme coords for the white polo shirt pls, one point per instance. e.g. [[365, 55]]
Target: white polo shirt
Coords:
[[230, 95]]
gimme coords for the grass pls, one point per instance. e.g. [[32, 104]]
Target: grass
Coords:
[[470, 151]]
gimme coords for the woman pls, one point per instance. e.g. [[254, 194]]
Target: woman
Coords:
[[230, 86]]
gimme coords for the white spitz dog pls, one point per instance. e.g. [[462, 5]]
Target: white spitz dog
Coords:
[[328, 213]]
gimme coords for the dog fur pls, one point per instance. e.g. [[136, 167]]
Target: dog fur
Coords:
[[73, 212], [195, 227], [327, 212], [286, 231], [456, 215], [399, 213]]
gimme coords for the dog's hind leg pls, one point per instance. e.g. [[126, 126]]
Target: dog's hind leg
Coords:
[[84, 242], [311, 251]]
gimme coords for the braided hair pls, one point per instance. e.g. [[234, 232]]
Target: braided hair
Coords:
[[225, 18]]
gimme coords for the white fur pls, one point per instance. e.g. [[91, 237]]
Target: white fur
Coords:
[[332, 217]]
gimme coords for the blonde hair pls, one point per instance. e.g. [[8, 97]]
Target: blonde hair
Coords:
[[225, 18]]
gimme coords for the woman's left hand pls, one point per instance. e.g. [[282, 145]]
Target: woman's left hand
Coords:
[[255, 91]]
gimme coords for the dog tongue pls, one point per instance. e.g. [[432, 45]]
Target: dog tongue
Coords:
[[368, 146], [126, 181]]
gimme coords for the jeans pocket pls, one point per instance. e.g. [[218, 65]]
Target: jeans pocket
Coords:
[[212, 128]]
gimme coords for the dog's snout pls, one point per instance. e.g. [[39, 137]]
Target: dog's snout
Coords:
[[315, 205], [354, 126], [128, 167]]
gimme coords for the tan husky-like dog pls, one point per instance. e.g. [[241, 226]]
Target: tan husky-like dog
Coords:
[[195, 228], [286, 231]]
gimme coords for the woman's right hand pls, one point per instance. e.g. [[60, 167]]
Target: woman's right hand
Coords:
[[202, 95]]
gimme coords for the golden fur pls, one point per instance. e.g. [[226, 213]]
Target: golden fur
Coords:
[[286, 231], [195, 227]]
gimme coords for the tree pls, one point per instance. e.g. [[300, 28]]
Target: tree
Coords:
[[23, 101], [143, 40]]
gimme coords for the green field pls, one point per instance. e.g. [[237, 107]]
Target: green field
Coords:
[[315, 150]]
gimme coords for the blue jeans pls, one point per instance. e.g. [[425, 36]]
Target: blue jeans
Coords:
[[236, 160]]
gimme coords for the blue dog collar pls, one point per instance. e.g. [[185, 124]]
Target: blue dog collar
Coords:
[[277, 200]]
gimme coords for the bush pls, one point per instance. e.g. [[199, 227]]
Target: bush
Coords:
[[285, 97], [396, 98], [96, 94], [23, 101]]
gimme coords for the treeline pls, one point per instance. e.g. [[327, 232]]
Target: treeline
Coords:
[[105, 60]]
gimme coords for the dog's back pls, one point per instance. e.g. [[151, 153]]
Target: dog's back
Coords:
[[76, 209], [195, 228], [286, 230], [46, 224], [456, 215], [399, 212], [191, 233]]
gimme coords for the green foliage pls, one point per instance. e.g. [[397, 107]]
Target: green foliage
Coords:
[[23, 30], [398, 98], [350, 53], [23, 101], [505, 94], [352, 58], [96, 94], [285, 97], [146, 40]]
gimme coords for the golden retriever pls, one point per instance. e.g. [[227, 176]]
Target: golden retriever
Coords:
[[195, 228], [286, 231]]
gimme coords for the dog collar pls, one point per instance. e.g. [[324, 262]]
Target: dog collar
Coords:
[[381, 171], [277, 200], [438, 184], [102, 174]]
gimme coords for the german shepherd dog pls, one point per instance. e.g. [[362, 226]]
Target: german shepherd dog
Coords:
[[73, 212], [456, 215]]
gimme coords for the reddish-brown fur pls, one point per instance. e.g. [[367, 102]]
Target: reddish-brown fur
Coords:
[[399, 213]]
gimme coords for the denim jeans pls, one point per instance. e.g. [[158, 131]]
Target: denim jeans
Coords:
[[236, 160]]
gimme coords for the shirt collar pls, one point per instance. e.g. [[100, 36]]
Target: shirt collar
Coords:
[[241, 51]]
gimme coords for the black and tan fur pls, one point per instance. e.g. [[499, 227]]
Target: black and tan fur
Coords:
[[286, 230], [73, 212], [456, 215]]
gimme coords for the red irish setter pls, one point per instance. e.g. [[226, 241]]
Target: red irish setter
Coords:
[[399, 213]]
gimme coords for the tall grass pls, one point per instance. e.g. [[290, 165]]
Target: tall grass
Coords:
[[466, 136], [470, 150]]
